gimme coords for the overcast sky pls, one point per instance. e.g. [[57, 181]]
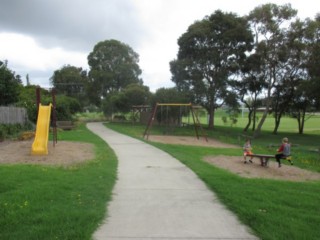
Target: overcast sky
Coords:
[[38, 37]]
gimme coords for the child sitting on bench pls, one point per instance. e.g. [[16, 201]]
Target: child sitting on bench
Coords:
[[247, 151], [283, 151]]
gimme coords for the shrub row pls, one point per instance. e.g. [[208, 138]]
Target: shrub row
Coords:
[[12, 130]]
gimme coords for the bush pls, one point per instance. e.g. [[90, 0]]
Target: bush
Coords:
[[66, 107], [233, 121], [119, 118], [27, 99], [224, 119], [12, 130], [89, 116], [2, 132]]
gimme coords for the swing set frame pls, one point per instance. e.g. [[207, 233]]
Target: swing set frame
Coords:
[[196, 122]]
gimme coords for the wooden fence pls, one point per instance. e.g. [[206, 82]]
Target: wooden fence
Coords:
[[12, 115]]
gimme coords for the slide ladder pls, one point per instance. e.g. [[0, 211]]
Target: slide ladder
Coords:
[[40, 143]]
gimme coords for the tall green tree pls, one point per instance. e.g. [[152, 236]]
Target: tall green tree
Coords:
[[133, 94], [312, 37], [169, 95], [269, 23], [303, 107], [249, 85], [283, 100], [168, 114], [71, 81], [137, 94], [292, 58], [113, 66], [208, 55], [28, 100], [306, 95], [10, 85]]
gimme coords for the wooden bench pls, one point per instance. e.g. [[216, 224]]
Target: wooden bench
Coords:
[[65, 125], [264, 158]]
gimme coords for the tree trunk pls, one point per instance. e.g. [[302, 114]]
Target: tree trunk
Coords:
[[211, 116], [257, 132], [254, 120], [249, 121], [277, 120], [301, 121]]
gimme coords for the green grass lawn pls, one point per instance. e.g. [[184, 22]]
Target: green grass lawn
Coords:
[[305, 149], [41, 202], [273, 209], [287, 124]]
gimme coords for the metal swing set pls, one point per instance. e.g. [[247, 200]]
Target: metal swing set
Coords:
[[196, 123]]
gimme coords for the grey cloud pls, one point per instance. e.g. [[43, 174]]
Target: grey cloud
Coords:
[[72, 24]]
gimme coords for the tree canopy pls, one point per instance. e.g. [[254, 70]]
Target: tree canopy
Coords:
[[131, 95], [113, 66], [268, 59], [209, 52], [10, 85], [170, 95], [71, 81], [269, 23]]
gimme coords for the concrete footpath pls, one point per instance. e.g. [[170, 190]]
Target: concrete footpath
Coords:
[[157, 197]]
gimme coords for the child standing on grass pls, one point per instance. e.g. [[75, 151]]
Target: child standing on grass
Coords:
[[247, 150], [283, 151]]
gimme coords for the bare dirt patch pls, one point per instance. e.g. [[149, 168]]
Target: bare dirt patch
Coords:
[[63, 154], [67, 153], [185, 140], [235, 164], [255, 170]]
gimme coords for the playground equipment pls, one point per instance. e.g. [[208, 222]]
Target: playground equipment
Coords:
[[189, 106], [40, 144]]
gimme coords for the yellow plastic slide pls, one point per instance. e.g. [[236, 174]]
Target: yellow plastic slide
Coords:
[[40, 143]]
